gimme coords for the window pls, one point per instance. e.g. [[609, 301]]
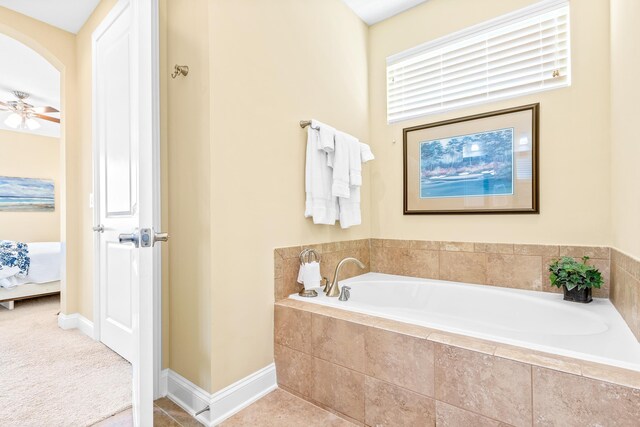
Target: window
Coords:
[[520, 53]]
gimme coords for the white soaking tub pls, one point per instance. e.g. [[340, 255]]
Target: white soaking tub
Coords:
[[537, 320]]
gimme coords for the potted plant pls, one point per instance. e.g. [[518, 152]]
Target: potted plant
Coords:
[[576, 278]]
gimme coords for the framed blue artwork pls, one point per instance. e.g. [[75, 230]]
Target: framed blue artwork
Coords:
[[26, 195], [481, 164]]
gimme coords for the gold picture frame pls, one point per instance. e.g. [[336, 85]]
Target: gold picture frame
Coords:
[[481, 164]]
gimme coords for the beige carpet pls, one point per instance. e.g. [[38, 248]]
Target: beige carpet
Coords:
[[51, 377]]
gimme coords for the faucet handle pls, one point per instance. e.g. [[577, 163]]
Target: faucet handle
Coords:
[[326, 283], [345, 294]]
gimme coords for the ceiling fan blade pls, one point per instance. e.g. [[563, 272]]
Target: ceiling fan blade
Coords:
[[45, 110], [51, 119], [4, 106]]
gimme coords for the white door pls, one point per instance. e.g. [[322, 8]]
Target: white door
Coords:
[[126, 143]]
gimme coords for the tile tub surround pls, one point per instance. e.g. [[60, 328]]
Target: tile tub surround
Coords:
[[287, 264], [521, 266], [625, 288], [383, 372]]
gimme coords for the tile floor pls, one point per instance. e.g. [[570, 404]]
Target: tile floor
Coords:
[[165, 414], [282, 409], [277, 409]]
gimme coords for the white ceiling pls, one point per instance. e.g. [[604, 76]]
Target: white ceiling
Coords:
[[373, 11], [21, 68], [69, 15]]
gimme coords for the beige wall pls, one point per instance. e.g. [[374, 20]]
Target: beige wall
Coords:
[[625, 140], [186, 102], [30, 156], [272, 65], [574, 133]]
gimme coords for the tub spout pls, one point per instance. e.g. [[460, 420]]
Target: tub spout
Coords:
[[334, 288]]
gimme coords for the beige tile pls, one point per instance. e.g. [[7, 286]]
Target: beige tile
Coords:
[[543, 250], [338, 341], [389, 243], [561, 399], [537, 358], [289, 252], [177, 413], [278, 265], [456, 246], [625, 296], [494, 248], [339, 388], [398, 327], [294, 369], [400, 359], [419, 263], [390, 405], [281, 409], [515, 271], [292, 328], [590, 251], [450, 416], [463, 267], [388, 260], [376, 243], [612, 374], [493, 387], [288, 284], [425, 245], [463, 341], [161, 419]]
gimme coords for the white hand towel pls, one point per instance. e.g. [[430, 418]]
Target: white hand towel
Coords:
[[350, 214], [346, 145], [311, 274], [365, 153], [320, 204]]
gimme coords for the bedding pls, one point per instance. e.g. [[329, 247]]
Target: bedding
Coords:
[[44, 265]]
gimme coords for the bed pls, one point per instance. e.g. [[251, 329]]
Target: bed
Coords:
[[43, 277]]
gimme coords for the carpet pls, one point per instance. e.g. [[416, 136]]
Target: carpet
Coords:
[[51, 377]]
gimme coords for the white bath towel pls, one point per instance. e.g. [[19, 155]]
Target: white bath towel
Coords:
[[346, 148], [320, 205]]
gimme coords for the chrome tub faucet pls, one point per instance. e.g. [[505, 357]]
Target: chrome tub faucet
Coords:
[[334, 288]]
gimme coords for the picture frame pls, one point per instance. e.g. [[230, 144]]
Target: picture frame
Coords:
[[486, 163]]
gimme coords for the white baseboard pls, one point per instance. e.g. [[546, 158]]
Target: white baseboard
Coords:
[[223, 403], [76, 321]]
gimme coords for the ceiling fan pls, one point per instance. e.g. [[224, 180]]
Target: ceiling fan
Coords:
[[23, 115]]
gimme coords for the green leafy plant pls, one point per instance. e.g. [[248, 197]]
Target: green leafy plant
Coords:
[[571, 273]]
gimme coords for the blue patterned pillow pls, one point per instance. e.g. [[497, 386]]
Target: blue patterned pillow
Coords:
[[15, 254]]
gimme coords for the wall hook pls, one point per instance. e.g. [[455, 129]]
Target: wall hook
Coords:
[[179, 69]]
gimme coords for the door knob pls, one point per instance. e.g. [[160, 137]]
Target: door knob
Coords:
[[129, 238], [99, 228], [148, 237]]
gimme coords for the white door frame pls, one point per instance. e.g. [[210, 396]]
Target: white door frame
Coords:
[[157, 190]]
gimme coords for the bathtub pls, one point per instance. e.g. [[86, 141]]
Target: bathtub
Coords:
[[537, 320]]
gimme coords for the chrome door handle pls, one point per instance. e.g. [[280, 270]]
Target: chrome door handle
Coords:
[[148, 237], [99, 228], [129, 238]]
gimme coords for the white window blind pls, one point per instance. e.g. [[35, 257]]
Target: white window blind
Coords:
[[523, 52]]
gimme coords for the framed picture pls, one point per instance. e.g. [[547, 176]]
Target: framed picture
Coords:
[[26, 195], [481, 164]]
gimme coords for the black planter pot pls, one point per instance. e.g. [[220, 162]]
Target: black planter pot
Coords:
[[575, 295]]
